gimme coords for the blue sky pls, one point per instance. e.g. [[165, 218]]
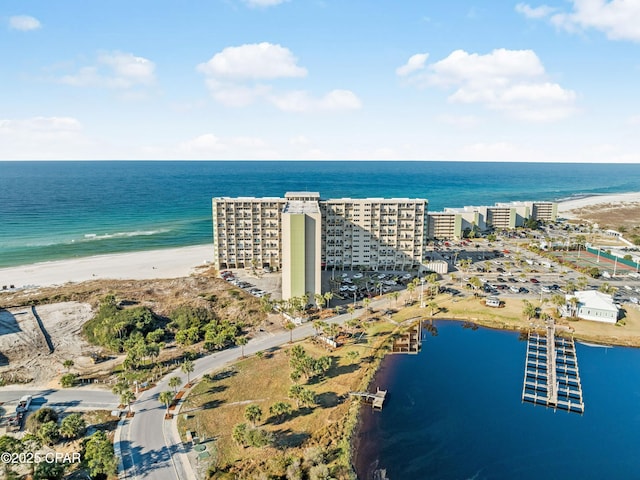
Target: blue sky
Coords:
[[321, 79]]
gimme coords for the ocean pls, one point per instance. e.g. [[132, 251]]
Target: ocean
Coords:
[[454, 412], [59, 210]]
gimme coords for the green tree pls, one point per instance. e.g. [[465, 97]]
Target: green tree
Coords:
[[307, 397], [242, 341], [239, 433], [290, 326], [126, 397], [73, 426], [253, 414], [320, 300], [99, 456], [49, 433], [328, 296], [68, 364], [48, 471], [529, 310], [352, 355], [433, 306], [187, 368], [166, 398], [294, 393], [280, 410], [68, 380], [175, 382]]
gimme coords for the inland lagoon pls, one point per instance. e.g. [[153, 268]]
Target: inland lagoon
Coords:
[[455, 411]]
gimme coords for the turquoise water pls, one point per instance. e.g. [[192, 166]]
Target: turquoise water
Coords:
[[454, 412], [56, 210]]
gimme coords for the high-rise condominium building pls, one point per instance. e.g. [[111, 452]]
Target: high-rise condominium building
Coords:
[[302, 234]]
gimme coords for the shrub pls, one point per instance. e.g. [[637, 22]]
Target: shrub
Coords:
[[68, 380]]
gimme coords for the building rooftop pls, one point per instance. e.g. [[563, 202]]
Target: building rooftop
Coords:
[[594, 299], [300, 206]]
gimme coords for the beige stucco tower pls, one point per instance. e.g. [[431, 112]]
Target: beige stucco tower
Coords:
[[301, 245]]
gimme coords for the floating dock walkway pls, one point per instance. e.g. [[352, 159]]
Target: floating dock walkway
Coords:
[[375, 399], [551, 376]]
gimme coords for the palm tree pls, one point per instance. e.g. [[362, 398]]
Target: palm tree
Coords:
[[529, 310], [242, 341], [574, 306], [433, 306], [328, 296], [582, 283], [290, 326], [126, 398], [68, 364], [166, 397], [253, 414], [319, 300], [351, 309], [187, 368], [175, 382], [410, 288], [395, 296]]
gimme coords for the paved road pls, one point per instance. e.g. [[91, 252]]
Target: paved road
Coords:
[[149, 447], [76, 398]]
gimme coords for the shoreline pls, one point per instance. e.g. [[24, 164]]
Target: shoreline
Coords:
[[141, 265], [565, 206]]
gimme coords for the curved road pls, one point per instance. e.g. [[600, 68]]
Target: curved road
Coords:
[[150, 446]]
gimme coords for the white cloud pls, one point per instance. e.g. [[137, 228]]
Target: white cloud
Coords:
[[236, 77], [634, 120], [301, 101], [211, 147], [252, 62], [618, 19], [24, 23], [510, 81], [264, 3], [459, 120], [415, 63], [115, 70], [41, 138], [534, 12]]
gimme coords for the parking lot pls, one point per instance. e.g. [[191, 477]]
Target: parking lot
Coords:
[[504, 268]]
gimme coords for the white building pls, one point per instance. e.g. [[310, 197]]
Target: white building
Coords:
[[591, 305]]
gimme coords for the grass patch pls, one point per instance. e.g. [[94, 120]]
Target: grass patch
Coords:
[[218, 403]]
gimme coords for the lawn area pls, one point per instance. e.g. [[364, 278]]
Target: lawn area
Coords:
[[218, 403]]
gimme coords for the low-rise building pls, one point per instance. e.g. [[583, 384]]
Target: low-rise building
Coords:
[[591, 305]]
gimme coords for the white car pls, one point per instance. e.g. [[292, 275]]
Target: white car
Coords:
[[357, 275]]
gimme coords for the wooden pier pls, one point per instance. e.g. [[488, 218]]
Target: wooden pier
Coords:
[[375, 399], [551, 375]]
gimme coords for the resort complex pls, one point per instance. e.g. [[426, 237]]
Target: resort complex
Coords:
[[302, 234]]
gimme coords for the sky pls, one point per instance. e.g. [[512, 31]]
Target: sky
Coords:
[[554, 81]]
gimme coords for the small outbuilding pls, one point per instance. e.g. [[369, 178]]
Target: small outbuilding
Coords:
[[591, 305], [492, 302]]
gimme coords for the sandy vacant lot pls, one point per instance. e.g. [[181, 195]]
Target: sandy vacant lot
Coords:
[[24, 352]]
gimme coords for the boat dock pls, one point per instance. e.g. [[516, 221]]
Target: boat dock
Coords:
[[551, 374], [375, 399]]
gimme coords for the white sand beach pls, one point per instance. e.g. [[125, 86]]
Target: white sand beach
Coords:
[[564, 208], [166, 263]]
